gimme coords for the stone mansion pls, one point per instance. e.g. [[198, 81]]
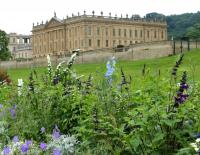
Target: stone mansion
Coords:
[[91, 32]]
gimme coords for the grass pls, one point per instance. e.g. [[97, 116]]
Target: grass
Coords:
[[191, 63]]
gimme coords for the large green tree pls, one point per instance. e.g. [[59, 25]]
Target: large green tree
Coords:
[[179, 24], [194, 32], [4, 40]]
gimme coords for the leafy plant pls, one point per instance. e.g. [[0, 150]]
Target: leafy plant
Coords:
[[105, 116]]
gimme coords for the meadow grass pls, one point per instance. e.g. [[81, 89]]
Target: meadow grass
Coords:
[[191, 63]]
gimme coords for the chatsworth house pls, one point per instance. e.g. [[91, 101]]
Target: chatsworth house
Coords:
[[90, 32]]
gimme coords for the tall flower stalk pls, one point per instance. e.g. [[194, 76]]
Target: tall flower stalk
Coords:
[[173, 78], [72, 59], [20, 85], [176, 66], [110, 65], [49, 66], [124, 81], [181, 95]]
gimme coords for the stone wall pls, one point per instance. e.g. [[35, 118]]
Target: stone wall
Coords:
[[132, 52]]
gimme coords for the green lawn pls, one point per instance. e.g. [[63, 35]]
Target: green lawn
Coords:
[[191, 63]]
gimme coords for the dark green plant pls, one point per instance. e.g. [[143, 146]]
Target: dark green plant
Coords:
[[4, 40]]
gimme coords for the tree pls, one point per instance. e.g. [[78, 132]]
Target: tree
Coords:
[[194, 32], [4, 40], [179, 24], [155, 15]]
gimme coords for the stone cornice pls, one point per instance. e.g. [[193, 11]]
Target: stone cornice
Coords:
[[102, 19]]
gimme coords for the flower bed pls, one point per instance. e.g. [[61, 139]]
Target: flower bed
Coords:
[[66, 113]]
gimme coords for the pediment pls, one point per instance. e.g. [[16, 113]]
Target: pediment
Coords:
[[53, 22]]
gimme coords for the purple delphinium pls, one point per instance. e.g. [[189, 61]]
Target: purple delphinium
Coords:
[[184, 86], [56, 152], [6, 150], [181, 95], [15, 139], [14, 106], [13, 111], [55, 80], [56, 132], [43, 146], [1, 113], [28, 142], [42, 130], [24, 148]]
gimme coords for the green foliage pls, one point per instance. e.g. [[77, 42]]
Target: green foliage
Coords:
[[4, 53], [194, 31], [179, 24], [130, 67], [107, 117]]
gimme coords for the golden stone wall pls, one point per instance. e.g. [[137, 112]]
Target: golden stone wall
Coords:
[[59, 37]]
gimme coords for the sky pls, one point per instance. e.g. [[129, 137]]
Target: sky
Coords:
[[19, 15]]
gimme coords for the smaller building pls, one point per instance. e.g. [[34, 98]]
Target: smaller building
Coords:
[[24, 52], [20, 45]]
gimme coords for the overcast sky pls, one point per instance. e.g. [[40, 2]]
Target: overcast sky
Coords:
[[18, 15]]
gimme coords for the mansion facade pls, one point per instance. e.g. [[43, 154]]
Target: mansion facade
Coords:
[[91, 32]]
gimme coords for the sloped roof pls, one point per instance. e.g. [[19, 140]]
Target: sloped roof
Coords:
[[57, 20]]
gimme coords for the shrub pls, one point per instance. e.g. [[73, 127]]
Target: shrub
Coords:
[[4, 78], [108, 115]]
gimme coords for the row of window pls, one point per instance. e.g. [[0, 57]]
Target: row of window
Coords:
[[78, 44], [90, 44], [115, 42], [22, 55], [130, 33], [21, 41], [126, 33], [115, 32], [52, 47], [98, 41]]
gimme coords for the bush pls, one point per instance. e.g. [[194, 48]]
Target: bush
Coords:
[[4, 78], [108, 115]]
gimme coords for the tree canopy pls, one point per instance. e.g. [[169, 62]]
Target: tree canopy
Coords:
[[183, 25], [4, 40], [179, 26], [194, 31]]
